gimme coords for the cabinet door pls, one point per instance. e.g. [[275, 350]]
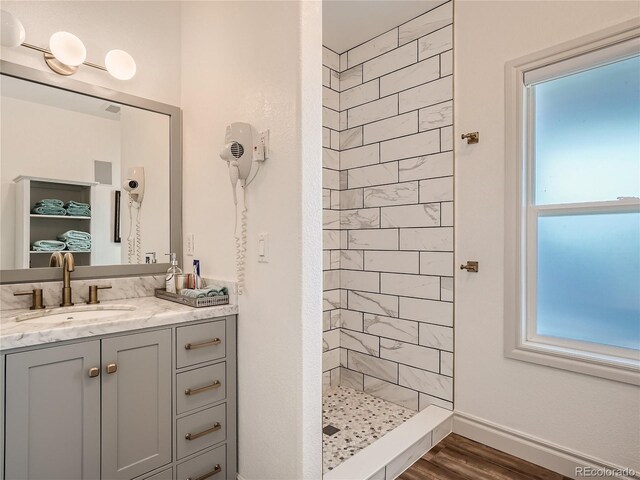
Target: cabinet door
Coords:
[[53, 413], [136, 404]]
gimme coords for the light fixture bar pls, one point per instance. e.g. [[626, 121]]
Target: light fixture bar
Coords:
[[49, 55], [34, 47], [95, 65]]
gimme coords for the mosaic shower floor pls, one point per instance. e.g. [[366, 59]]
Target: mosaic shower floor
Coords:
[[360, 420]]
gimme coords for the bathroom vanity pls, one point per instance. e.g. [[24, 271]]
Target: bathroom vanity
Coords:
[[135, 387], [146, 391]]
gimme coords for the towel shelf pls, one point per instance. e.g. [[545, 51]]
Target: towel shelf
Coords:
[[31, 226], [62, 251], [59, 217]]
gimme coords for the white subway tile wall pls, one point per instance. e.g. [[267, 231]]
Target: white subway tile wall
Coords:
[[388, 219]]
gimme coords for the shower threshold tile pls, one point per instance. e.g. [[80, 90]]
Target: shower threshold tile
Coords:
[[361, 419]]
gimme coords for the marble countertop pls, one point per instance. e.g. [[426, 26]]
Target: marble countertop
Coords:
[[142, 312]]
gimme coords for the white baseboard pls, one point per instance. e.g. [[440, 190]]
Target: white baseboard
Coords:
[[240, 477], [532, 449]]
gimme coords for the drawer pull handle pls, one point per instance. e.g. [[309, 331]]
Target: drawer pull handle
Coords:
[[216, 469], [193, 436], [195, 391], [112, 368], [94, 372], [208, 343]]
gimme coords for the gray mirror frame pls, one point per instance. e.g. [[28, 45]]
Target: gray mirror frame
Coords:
[[175, 115]]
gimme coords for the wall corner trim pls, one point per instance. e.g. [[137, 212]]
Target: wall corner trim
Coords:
[[532, 449]]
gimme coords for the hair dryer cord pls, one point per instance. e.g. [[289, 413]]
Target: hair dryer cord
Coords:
[[138, 236], [134, 242], [241, 244], [130, 246]]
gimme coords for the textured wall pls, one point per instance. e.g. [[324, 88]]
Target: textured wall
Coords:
[[388, 215], [227, 77]]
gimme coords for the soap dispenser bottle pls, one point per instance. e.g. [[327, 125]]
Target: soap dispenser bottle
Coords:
[[172, 273]]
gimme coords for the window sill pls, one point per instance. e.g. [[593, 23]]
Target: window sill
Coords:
[[616, 369]]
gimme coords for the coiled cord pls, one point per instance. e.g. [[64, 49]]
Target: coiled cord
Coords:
[[134, 244], [241, 243], [130, 246], [138, 235]]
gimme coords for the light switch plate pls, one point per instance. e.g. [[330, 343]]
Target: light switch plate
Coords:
[[263, 248], [190, 246]]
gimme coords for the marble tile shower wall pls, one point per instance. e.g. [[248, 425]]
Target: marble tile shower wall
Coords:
[[334, 240], [388, 218]]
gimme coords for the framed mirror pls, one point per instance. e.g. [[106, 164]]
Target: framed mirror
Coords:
[[87, 170]]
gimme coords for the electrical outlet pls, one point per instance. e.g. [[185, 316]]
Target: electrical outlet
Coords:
[[190, 244], [262, 147]]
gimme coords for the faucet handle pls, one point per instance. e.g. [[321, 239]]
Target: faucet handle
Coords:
[[93, 293], [36, 298]]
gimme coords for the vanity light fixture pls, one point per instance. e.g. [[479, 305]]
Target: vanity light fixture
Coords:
[[11, 30], [66, 52], [120, 64]]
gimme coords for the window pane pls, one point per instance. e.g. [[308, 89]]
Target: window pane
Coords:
[[589, 278], [587, 135]]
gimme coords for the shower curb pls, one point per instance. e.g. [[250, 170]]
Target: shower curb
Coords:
[[388, 457]]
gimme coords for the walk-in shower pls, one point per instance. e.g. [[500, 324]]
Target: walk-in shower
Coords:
[[388, 231]]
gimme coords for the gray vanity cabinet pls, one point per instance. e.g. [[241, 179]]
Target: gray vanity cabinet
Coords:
[[57, 424], [155, 404], [136, 404], [53, 422]]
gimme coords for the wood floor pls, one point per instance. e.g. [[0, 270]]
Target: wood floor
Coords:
[[458, 458]]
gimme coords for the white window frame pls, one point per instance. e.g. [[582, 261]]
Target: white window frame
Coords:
[[521, 213]]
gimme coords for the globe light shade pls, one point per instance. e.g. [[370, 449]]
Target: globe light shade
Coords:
[[11, 30], [67, 48], [120, 64]]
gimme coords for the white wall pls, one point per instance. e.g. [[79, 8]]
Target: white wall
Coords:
[[149, 31], [590, 415], [250, 61]]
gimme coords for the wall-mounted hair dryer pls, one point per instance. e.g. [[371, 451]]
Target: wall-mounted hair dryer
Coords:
[[134, 184], [239, 152]]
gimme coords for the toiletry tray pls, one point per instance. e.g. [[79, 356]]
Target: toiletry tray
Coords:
[[192, 302]]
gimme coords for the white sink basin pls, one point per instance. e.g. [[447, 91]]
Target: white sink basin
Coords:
[[79, 313]]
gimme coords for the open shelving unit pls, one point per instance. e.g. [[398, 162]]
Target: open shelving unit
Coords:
[[32, 227]]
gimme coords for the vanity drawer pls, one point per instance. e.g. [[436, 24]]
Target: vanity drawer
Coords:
[[200, 343], [200, 387], [163, 475], [201, 430], [208, 465]]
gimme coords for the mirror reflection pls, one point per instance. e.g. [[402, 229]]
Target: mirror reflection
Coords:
[[81, 174]]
